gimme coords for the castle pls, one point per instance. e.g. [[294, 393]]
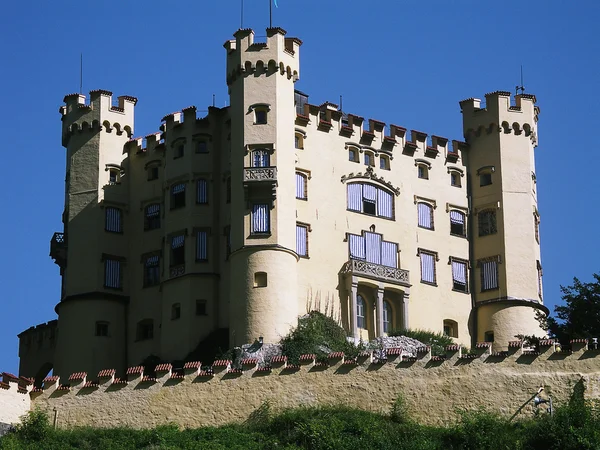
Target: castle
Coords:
[[248, 217]]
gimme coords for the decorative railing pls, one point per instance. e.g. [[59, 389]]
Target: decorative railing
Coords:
[[366, 269], [260, 174], [177, 271]]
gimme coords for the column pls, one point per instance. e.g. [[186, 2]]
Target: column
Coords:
[[379, 311], [405, 309], [353, 308]]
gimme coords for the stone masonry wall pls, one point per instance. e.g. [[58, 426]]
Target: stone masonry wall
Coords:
[[14, 399], [434, 388]]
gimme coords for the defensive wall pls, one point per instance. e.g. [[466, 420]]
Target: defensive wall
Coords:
[[435, 388]]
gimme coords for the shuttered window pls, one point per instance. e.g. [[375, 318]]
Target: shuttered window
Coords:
[[301, 186], [260, 219], [425, 213], [113, 220], [489, 275], [152, 217], [302, 240], [457, 223], [177, 250], [201, 191], [178, 195], [459, 275], [372, 248], [112, 274], [369, 199], [201, 246], [427, 267]]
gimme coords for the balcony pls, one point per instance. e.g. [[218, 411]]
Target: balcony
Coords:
[[260, 181], [358, 268], [258, 174], [58, 249]]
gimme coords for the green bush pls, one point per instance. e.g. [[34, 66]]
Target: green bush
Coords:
[[316, 333]]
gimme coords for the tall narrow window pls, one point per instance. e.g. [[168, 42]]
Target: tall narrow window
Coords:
[[301, 186], [485, 179], [423, 171], [201, 308], [201, 191], [487, 222], [227, 233], [113, 220], [387, 316], [102, 329], [539, 277], [489, 274], [261, 222], [114, 176], [455, 179], [152, 217], [384, 163], [177, 250], [152, 173], [201, 147], [302, 240], [228, 190], [361, 308], [457, 223], [536, 224], [425, 212], [112, 274], [369, 159], [261, 158], [178, 196], [175, 311], [145, 329], [151, 270], [201, 246], [370, 247], [427, 267], [352, 155], [459, 275], [260, 117], [299, 141]]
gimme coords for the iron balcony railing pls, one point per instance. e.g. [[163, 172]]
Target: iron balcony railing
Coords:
[[357, 267], [252, 174]]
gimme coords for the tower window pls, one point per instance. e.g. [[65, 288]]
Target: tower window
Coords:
[[457, 223], [152, 173], [260, 279], [428, 274], [302, 240], [178, 196], [384, 163], [487, 222], [485, 179], [423, 171], [201, 246], [352, 155], [488, 269], [151, 270], [113, 274], [152, 217], [369, 159], [260, 116], [114, 176], [179, 151], [175, 311], [301, 186], [102, 329], [261, 158], [201, 147], [455, 179], [113, 222], [260, 218], [201, 192]]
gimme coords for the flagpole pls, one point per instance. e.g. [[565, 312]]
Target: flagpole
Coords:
[[270, 13], [242, 16]]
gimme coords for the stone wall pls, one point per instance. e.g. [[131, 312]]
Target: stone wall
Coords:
[[14, 399], [435, 388]]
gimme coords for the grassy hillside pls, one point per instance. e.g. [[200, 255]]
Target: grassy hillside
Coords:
[[573, 427]]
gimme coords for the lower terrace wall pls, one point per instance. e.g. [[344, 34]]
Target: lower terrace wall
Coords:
[[435, 390], [14, 399]]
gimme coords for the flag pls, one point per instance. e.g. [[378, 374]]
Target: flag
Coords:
[[276, 5]]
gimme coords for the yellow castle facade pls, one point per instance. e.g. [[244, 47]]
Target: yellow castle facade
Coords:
[[254, 214]]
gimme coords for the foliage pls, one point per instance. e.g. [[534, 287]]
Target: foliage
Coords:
[[579, 317], [399, 412], [437, 341], [319, 334], [574, 426]]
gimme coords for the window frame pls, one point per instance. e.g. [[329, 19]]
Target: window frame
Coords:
[[306, 227], [177, 200], [464, 224], [305, 182], [202, 200], [152, 222], [485, 225], [371, 158], [101, 332], [431, 215], [175, 260], [361, 307], [253, 211], [435, 258], [113, 222], [495, 260], [148, 269], [107, 259], [385, 160], [452, 260], [202, 232], [376, 202]]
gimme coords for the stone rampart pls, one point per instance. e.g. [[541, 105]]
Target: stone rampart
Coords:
[[14, 399], [435, 388]]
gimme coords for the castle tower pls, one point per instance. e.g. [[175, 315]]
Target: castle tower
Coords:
[[91, 250], [261, 77], [505, 251]]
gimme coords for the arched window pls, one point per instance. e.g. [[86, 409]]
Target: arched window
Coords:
[[370, 199], [387, 316], [369, 159], [450, 328], [353, 155], [152, 216], [425, 213], [261, 158], [423, 171], [299, 140], [457, 223], [361, 307], [384, 162]]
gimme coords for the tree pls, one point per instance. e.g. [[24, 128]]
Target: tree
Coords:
[[579, 317]]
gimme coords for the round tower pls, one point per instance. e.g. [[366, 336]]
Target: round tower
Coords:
[[505, 245], [91, 251], [261, 77]]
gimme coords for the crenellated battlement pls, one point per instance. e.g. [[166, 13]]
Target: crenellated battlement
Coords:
[[500, 115], [277, 53], [100, 114]]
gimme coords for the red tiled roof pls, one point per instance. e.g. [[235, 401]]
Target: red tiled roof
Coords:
[[308, 357], [51, 379], [336, 355], [514, 344], [106, 373], [483, 345], [135, 370], [163, 368], [423, 349], [90, 384], [394, 351], [452, 348], [279, 359], [78, 376], [192, 365], [221, 363], [10, 376]]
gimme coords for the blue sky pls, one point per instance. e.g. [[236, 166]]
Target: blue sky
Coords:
[[411, 63]]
